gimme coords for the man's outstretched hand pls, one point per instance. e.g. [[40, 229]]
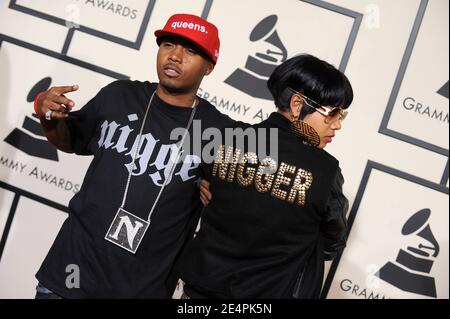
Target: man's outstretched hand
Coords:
[[55, 101], [205, 194]]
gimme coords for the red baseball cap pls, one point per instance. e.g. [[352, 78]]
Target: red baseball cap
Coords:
[[195, 29]]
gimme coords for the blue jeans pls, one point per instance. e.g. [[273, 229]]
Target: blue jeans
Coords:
[[44, 293]]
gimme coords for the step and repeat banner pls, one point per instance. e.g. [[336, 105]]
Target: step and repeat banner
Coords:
[[393, 147]]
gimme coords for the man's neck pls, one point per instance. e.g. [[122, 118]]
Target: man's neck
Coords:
[[177, 99]]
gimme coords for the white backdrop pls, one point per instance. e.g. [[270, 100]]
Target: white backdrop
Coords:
[[393, 147]]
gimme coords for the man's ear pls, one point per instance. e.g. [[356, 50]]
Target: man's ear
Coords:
[[296, 105], [209, 68]]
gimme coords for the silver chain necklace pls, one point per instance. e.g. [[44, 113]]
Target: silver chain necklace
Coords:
[[127, 230]]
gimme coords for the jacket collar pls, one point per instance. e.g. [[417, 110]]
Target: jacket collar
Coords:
[[278, 120]]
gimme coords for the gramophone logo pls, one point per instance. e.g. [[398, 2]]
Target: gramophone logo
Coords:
[[410, 272], [444, 90], [252, 79], [31, 139]]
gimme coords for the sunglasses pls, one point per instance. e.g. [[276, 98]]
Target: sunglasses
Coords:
[[331, 113]]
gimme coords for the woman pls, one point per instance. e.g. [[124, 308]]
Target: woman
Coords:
[[273, 221]]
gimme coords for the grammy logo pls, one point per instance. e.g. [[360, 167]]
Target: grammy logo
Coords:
[[31, 139], [252, 80], [410, 270]]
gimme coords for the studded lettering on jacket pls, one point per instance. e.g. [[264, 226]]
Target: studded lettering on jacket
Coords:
[[284, 182]]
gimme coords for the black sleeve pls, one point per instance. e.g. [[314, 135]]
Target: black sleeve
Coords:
[[83, 123], [334, 224], [222, 122], [225, 121]]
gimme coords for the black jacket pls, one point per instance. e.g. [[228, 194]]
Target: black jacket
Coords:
[[266, 235]]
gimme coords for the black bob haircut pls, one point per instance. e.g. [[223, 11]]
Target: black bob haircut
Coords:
[[316, 79]]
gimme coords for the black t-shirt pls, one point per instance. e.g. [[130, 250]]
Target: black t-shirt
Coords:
[[107, 127]]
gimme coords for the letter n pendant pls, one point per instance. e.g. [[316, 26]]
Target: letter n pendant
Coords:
[[127, 230]]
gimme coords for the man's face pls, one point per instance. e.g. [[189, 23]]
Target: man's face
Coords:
[[181, 66]]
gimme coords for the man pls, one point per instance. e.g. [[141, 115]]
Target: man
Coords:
[[132, 215]]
